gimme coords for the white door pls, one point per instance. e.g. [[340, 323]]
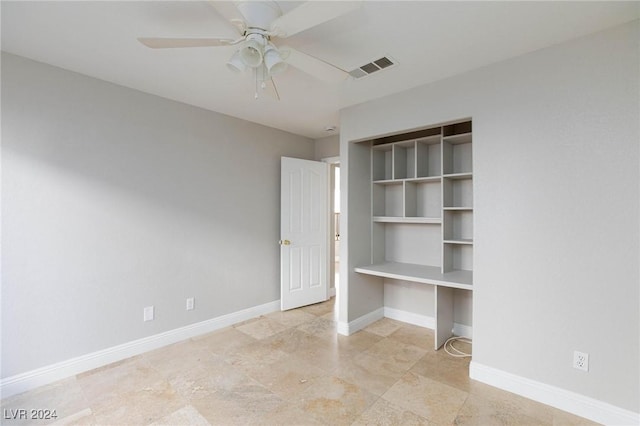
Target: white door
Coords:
[[304, 231]]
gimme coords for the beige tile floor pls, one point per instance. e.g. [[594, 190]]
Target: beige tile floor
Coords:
[[289, 368]]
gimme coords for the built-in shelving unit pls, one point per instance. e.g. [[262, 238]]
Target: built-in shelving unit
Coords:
[[422, 213]]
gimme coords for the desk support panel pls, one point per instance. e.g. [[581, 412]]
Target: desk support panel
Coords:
[[443, 315]]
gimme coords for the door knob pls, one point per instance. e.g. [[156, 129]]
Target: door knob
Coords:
[[285, 242]]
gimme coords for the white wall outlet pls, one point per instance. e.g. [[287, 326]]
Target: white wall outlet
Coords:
[[148, 313], [581, 360], [190, 304]]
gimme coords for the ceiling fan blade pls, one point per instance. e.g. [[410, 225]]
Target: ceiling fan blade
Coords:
[[169, 42], [313, 66], [229, 12], [310, 14], [226, 9]]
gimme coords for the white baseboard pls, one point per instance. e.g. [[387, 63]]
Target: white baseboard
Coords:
[[425, 321], [463, 330], [32, 379], [343, 328], [410, 317], [562, 399], [347, 329], [332, 292]]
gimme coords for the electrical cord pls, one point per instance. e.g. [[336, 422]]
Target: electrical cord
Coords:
[[455, 352]]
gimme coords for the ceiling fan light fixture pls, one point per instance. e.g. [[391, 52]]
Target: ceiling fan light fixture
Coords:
[[261, 21], [236, 64], [251, 50], [273, 60]]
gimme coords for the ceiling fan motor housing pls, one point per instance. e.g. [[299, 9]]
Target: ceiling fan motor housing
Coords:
[[259, 14]]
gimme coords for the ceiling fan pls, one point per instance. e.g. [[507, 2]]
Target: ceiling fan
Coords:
[[260, 24]]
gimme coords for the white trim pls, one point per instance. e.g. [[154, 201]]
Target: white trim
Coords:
[[410, 317], [332, 292], [463, 330], [41, 376], [580, 405], [426, 321], [347, 329], [343, 328]]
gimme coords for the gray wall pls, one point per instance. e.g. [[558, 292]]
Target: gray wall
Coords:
[[113, 200], [327, 147], [419, 299], [556, 177]]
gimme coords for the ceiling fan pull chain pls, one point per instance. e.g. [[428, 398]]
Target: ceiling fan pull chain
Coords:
[[255, 74], [263, 78]]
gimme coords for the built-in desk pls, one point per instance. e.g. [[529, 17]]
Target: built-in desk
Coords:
[[444, 283]]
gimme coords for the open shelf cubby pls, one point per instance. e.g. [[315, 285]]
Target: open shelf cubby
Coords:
[[382, 162], [428, 156], [458, 226], [404, 160], [457, 191], [457, 257], [423, 199], [422, 212], [388, 199], [456, 150]]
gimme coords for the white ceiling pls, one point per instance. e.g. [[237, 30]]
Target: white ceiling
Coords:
[[429, 40]]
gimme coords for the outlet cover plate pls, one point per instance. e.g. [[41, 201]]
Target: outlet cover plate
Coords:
[[148, 313], [581, 360]]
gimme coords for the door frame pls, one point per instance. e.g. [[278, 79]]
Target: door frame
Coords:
[[331, 255]]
